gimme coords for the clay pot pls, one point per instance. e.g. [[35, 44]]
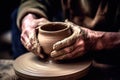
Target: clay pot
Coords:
[[52, 32]]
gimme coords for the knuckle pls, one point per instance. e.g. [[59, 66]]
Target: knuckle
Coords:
[[68, 50]]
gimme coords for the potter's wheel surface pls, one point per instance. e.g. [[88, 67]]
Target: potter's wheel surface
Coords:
[[29, 66]]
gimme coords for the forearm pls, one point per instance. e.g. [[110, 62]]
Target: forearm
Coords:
[[99, 40], [108, 40]]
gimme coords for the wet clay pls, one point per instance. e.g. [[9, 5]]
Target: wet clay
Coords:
[[52, 32]]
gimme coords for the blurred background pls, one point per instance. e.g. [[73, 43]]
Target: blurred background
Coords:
[[6, 9]]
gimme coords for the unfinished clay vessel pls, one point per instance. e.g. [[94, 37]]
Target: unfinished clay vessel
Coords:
[[52, 32]]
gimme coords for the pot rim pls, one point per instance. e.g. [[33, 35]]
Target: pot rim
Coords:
[[54, 23]]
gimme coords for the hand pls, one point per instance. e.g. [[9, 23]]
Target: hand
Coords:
[[81, 41], [29, 31]]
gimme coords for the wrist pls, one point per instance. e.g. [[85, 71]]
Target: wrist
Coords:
[[27, 19], [93, 39], [99, 40]]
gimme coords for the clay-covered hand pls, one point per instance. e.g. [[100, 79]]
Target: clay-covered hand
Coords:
[[29, 33], [74, 46]]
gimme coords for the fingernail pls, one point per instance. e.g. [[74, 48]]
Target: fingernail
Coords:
[[53, 54]]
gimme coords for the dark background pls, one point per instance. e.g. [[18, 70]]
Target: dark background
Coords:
[[6, 9]]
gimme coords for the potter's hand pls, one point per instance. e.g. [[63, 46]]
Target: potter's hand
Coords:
[[29, 31], [74, 46]]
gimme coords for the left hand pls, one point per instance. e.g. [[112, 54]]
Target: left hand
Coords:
[[71, 47], [29, 30]]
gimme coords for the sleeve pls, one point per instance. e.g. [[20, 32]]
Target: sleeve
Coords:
[[37, 7]]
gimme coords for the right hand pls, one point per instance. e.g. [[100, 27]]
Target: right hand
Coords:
[[29, 32], [78, 44]]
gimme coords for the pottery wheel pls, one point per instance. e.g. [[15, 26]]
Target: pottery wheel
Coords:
[[29, 66]]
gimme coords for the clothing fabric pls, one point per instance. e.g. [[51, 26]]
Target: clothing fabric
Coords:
[[81, 12]]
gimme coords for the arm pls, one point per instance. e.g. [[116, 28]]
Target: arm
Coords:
[[102, 40], [84, 40]]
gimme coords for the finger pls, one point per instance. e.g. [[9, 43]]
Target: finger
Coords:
[[27, 45], [79, 43], [69, 40], [24, 36], [35, 48], [25, 41], [42, 22], [62, 52], [76, 53], [37, 52]]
